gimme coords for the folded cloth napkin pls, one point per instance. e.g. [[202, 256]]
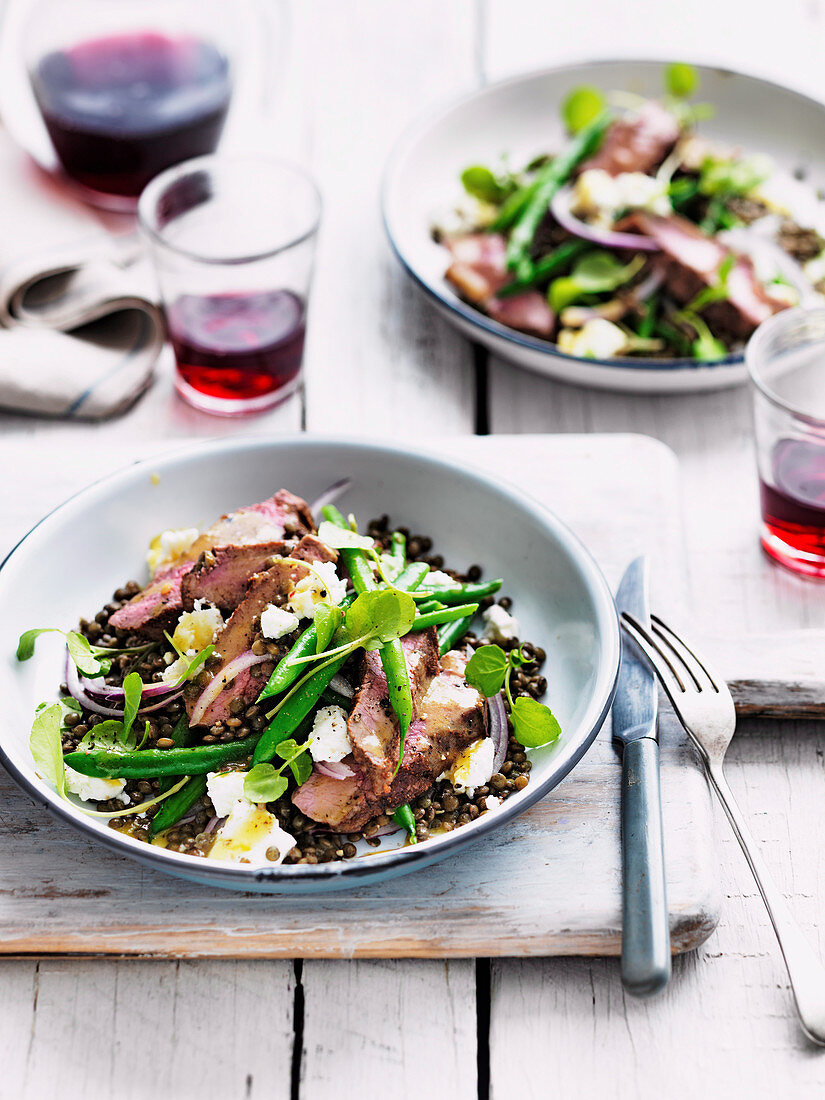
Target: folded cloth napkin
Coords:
[[79, 328]]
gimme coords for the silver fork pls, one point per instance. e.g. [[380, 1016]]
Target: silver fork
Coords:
[[704, 706]]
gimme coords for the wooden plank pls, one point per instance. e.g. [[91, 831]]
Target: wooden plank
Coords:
[[428, 1008], [480, 910], [133, 1029], [377, 350]]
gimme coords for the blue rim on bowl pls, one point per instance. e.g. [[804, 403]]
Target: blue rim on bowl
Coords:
[[297, 878]]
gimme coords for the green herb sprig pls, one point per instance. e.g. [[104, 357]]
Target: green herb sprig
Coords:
[[488, 671]]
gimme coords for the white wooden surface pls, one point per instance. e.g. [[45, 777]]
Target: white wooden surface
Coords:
[[360, 70]]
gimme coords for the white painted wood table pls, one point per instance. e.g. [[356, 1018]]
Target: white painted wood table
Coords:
[[377, 355]]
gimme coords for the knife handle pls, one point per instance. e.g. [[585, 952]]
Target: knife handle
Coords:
[[645, 931]]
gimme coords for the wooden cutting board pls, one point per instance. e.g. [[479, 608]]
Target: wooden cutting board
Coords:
[[546, 884]]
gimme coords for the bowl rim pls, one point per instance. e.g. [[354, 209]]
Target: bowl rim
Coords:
[[294, 876], [466, 313]]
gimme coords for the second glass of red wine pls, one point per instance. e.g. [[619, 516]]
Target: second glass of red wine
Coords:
[[127, 89], [233, 241], [786, 362]]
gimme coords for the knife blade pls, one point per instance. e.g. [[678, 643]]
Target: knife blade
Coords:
[[645, 930]]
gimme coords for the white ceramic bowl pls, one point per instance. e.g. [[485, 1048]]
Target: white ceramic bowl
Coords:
[[521, 117], [73, 560]]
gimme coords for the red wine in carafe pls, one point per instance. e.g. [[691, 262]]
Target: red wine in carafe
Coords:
[[238, 346], [793, 507], [120, 109]]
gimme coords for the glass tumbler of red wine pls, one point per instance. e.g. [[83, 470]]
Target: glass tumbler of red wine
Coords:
[[233, 240], [786, 362]]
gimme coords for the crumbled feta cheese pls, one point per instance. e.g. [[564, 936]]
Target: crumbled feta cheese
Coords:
[[491, 802], [197, 629], [782, 292], [499, 625], [276, 622], [251, 834], [307, 594], [438, 579], [90, 789], [225, 789], [597, 339], [600, 197], [815, 269], [330, 736], [172, 673], [474, 767], [168, 546]]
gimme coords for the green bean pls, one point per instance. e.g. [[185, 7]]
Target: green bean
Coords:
[[295, 710], [451, 634], [181, 735], [287, 671], [548, 182], [446, 615], [649, 319], [391, 653], [545, 267], [513, 206], [429, 605], [151, 763], [462, 593], [405, 818], [412, 576], [178, 804], [398, 546]]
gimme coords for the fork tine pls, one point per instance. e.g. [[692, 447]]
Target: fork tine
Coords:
[[653, 651], [687, 655]]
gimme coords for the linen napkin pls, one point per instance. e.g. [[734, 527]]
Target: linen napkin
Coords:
[[79, 327]]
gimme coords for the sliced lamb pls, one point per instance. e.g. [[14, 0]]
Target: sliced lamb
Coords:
[[157, 607], [374, 732], [693, 262], [221, 576], [235, 639], [479, 271], [452, 716], [637, 142]]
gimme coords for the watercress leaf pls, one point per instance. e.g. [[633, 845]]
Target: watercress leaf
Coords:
[[81, 653], [562, 292], [581, 107], [681, 80], [264, 783], [480, 182], [288, 748], [25, 646], [132, 691], [46, 745], [486, 670], [301, 768], [106, 735], [533, 723], [341, 538], [380, 616], [598, 272], [327, 620]]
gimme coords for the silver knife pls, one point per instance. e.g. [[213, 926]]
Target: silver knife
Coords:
[[645, 931]]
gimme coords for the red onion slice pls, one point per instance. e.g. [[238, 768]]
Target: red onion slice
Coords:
[[333, 769], [497, 715], [225, 677], [330, 495], [109, 693], [213, 823], [78, 691], [607, 238]]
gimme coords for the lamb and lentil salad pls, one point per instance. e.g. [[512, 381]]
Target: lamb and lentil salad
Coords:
[[281, 691], [639, 238]]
